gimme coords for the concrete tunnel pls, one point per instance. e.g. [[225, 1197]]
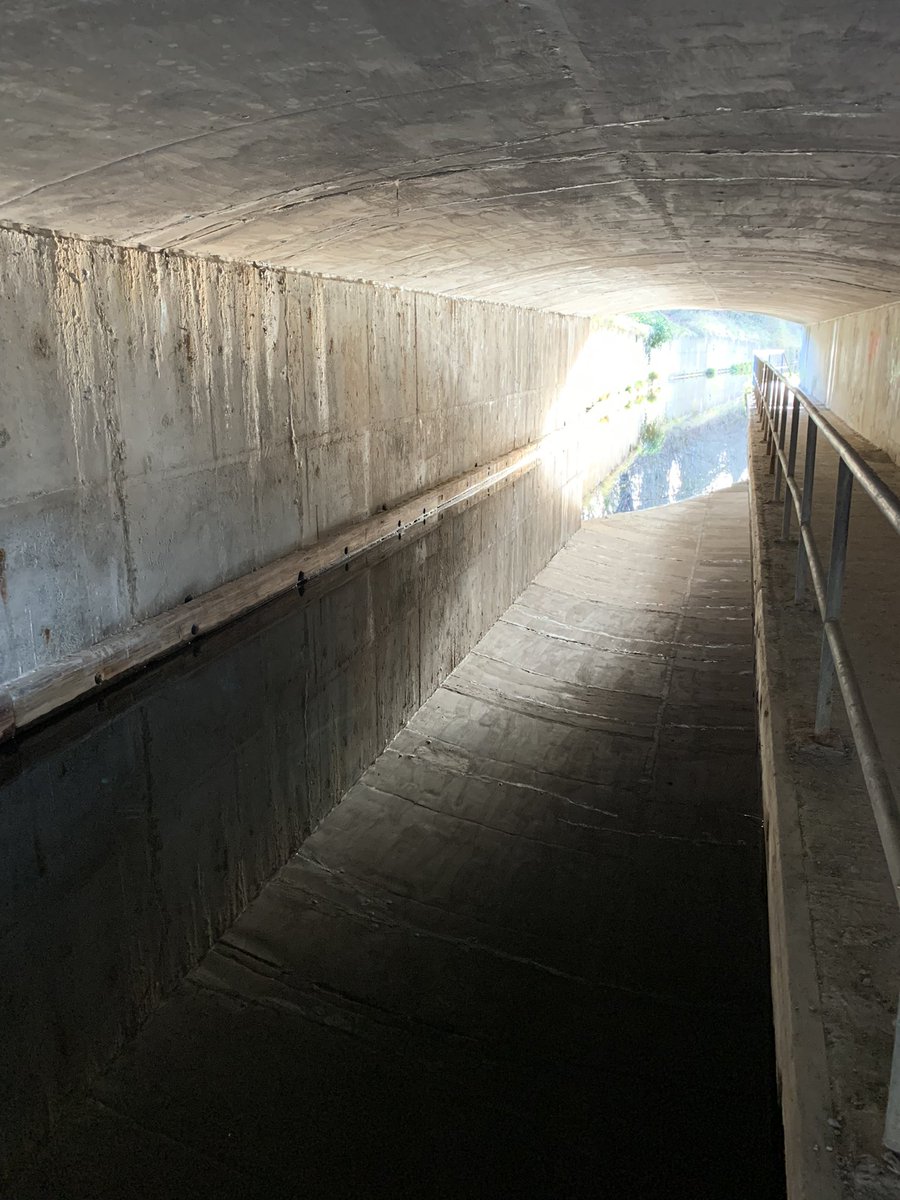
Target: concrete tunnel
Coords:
[[370, 826]]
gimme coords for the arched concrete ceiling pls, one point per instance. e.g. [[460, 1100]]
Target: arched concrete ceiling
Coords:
[[579, 154]]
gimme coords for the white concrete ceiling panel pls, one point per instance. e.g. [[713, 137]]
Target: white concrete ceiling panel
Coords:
[[576, 154]]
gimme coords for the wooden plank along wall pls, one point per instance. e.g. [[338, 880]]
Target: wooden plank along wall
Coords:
[[39, 693]]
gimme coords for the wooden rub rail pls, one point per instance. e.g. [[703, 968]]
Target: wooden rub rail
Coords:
[[34, 696]]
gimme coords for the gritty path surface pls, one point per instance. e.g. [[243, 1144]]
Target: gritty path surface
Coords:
[[525, 956]]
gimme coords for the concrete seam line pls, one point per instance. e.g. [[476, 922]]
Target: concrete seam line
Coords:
[[805, 1089], [37, 694]]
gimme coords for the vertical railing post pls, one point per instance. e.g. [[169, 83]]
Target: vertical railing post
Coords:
[[792, 462], [767, 400], [834, 593], [769, 385], [782, 426], [767, 403], [809, 476], [773, 423]]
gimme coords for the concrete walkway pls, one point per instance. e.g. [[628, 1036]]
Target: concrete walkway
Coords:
[[526, 955]]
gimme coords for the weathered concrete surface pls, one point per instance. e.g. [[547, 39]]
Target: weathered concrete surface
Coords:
[[168, 423], [853, 366], [555, 152], [833, 917], [694, 355], [135, 830], [526, 955]]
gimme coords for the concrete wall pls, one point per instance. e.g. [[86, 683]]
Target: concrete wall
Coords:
[[611, 375], [168, 423], [852, 364], [693, 355]]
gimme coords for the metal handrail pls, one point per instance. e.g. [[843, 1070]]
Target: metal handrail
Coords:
[[775, 396]]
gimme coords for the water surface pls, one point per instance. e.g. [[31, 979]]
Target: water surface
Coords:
[[694, 443]]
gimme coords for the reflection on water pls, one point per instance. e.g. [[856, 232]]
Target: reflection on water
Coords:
[[136, 827], [696, 444], [696, 394]]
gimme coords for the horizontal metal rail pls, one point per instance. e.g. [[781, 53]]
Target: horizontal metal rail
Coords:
[[779, 403]]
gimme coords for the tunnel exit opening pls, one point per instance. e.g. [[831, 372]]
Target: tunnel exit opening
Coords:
[[673, 424]]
